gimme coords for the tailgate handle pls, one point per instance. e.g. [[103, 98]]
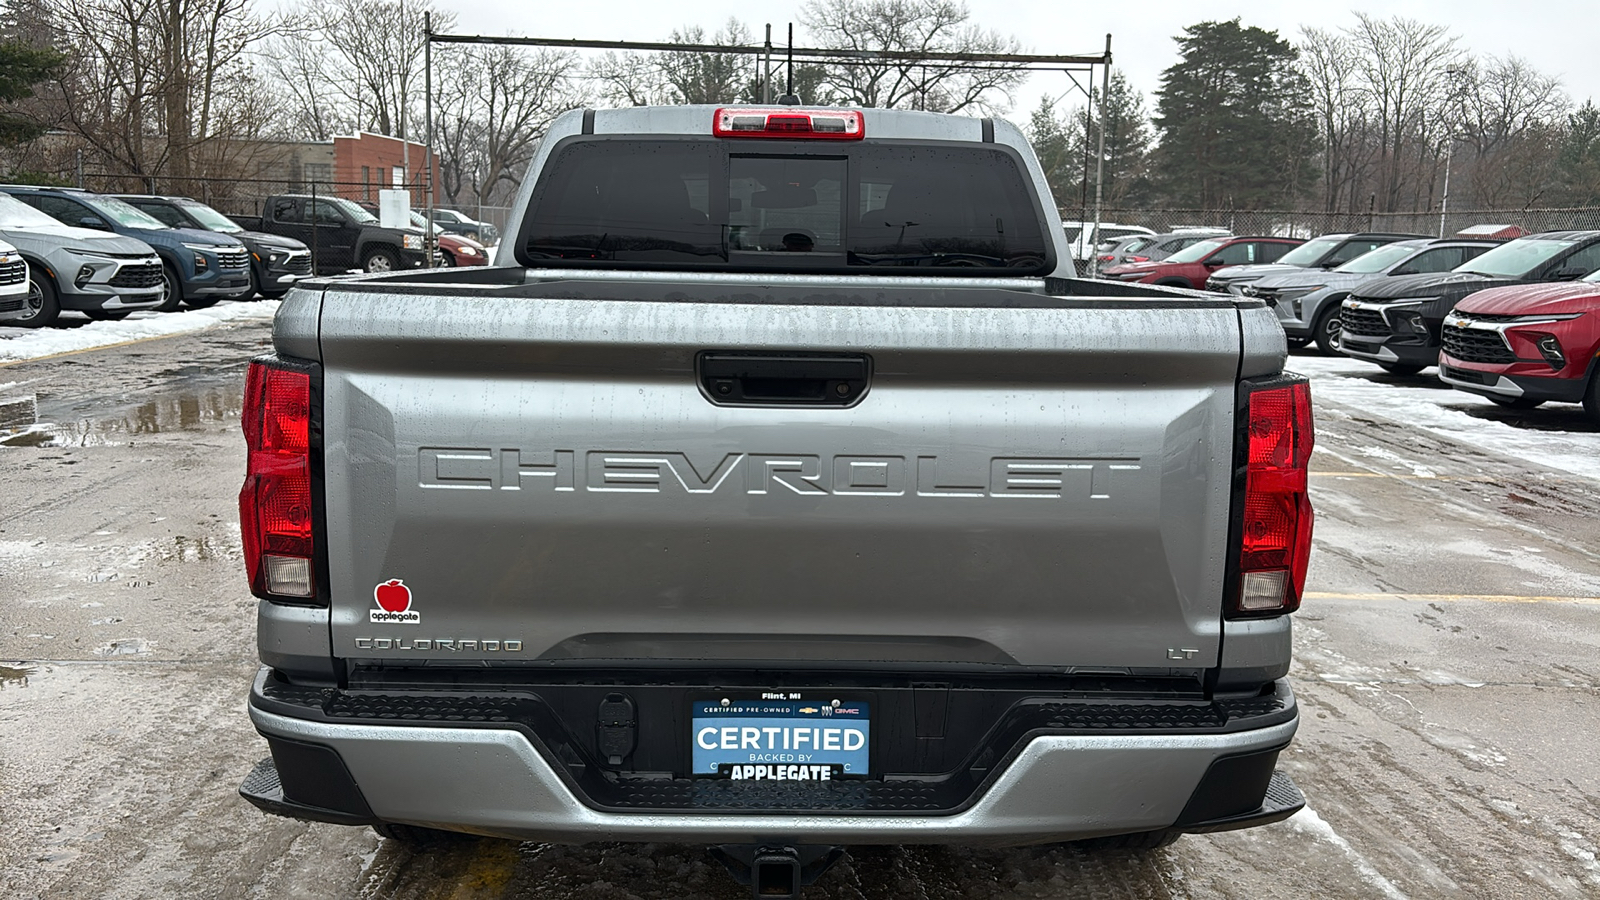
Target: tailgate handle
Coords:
[[729, 378]]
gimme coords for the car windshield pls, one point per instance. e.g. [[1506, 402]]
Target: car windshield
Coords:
[[125, 215], [1311, 252], [1516, 259], [353, 210], [1592, 277], [1194, 252], [16, 214], [1375, 261], [210, 219]]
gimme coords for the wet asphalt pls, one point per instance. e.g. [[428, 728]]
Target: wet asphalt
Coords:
[[1447, 664]]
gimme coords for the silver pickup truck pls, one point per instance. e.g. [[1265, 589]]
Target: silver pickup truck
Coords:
[[775, 492]]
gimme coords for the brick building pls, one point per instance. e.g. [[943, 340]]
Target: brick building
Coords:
[[367, 163]]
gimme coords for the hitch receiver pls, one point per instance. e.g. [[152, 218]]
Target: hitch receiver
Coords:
[[776, 870]]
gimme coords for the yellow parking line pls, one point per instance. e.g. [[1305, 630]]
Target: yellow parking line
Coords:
[[153, 337], [1448, 598], [1402, 477], [493, 863]]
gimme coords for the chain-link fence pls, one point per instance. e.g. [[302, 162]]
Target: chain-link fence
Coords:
[[1308, 223], [245, 196]]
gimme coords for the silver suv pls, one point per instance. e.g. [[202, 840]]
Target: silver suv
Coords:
[[104, 276]]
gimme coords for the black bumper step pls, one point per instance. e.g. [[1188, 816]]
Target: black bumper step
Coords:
[[263, 788], [1283, 799]]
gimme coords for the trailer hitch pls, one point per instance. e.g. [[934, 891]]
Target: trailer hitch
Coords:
[[776, 870]]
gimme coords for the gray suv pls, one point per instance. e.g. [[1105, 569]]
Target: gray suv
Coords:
[[1307, 300], [102, 275]]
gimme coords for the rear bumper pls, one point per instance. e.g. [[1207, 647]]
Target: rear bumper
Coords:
[[487, 779]]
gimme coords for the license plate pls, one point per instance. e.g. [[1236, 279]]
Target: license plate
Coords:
[[780, 740]]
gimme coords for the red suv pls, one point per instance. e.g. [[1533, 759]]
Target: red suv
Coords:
[[1522, 345], [1191, 266]]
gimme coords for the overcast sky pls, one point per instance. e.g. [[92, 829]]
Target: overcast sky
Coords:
[[1557, 36]]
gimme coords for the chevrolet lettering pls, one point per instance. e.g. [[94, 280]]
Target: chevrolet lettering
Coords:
[[826, 504], [783, 474]]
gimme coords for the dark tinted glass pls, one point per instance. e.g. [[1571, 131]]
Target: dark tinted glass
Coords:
[[67, 211], [1272, 252], [1439, 259], [1585, 261], [1240, 254], [163, 212], [709, 204]]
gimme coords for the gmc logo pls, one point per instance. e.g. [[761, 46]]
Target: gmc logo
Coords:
[[664, 472]]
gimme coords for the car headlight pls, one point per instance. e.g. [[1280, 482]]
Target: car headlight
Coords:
[[411, 241], [469, 251]]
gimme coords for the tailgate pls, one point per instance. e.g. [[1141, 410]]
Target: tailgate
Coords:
[[1036, 483]]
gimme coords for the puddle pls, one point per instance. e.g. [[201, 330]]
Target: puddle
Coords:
[[188, 549], [194, 410], [17, 413], [127, 647], [15, 676]]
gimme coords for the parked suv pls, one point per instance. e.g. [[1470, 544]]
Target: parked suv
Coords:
[[1191, 266], [1395, 322], [13, 283], [198, 267], [103, 276], [1326, 252], [1307, 300], [1522, 346], [276, 262]]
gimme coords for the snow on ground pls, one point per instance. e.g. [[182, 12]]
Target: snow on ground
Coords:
[[25, 343], [1422, 402]]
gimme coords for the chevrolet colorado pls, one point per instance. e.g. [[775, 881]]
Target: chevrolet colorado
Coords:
[[775, 492]]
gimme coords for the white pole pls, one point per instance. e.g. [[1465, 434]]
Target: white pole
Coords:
[[1100, 162], [1444, 204]]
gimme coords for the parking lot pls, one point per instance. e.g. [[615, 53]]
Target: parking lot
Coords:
[[1444, 660]]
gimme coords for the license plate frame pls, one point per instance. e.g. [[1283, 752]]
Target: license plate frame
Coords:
[[757, 737]]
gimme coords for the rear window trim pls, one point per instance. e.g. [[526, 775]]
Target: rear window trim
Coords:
[[790, 148]]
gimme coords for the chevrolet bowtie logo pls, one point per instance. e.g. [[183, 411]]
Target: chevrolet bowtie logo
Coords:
[[808, 709]]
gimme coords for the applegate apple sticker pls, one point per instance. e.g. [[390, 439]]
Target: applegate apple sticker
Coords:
[[394, 604]]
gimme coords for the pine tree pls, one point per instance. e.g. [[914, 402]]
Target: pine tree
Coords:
[[1236, 128]]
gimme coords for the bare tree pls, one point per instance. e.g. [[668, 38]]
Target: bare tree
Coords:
[[1404, 63], [627, 79], [921, 26], [652, 79], [1339, 99], [157, 87], [376, 66], [1507, 114], [493, 107], [302, 64]]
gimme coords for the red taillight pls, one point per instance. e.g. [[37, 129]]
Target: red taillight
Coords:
[[275, 504], [1138, 259], [784, 122], [1275, 534]]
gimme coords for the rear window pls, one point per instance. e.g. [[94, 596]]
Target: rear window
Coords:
[[747, 206]]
